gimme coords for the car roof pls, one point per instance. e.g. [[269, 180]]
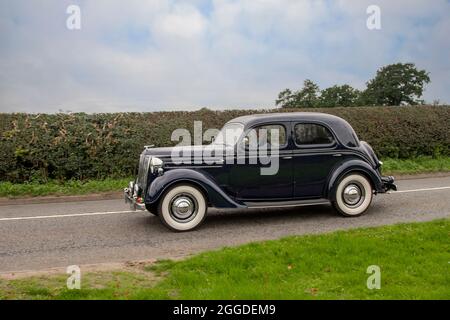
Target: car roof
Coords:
[[287, 116], [342, 128]]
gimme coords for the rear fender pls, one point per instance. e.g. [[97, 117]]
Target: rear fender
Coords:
[[214, 194], [357, 166]]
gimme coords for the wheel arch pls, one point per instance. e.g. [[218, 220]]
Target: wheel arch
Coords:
[[353, 166], [214, 195], [188, 182]]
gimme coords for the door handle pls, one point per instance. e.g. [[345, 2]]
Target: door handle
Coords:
[[337, 155], [287, 158]]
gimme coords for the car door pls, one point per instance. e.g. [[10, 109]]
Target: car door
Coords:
[[315, 153], [250, 181]]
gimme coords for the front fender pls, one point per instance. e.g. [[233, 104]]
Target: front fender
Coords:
[[346, 167], [215, 195]]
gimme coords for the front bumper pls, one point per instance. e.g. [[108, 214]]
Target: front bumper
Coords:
[[136, 203], [388, 183]]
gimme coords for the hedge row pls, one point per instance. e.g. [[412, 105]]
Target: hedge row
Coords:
[[81, 146]]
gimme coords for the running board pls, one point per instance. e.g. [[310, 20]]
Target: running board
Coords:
[[279, 204]]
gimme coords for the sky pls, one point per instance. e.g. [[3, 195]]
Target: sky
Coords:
[[184, 55]]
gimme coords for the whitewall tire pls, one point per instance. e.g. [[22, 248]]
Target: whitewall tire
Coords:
[[182, 208], [353, 195]]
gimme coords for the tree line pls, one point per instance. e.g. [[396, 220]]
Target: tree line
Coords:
[[394, 85]]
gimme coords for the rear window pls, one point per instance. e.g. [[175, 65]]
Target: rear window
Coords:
[[312, 134]]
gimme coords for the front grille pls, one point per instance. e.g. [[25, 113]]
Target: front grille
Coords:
[[144, 165]]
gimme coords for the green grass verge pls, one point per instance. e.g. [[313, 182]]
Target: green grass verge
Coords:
[[71, 187], [413, 258], [416, 165]]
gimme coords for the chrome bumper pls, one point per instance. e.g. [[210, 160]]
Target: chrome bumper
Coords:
[[132, 200]]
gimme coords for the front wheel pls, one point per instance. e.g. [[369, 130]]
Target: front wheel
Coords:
[[353, 195], [182, 208]]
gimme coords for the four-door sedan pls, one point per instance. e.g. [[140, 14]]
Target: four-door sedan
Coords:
[[314, 159]]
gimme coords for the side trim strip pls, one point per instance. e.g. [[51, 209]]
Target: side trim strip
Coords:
[[285, 205]]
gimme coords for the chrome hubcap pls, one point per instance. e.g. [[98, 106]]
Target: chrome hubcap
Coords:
[[352, 194], [182, 207]]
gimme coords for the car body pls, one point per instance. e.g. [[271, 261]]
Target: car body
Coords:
[[319, 160]]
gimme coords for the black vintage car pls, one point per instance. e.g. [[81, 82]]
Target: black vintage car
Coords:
[[268, 160]]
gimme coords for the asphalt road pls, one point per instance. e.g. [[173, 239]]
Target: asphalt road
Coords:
[[42, 236]]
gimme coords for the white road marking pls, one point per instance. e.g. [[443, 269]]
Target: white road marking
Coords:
[[67, 215], [420, 190], [120, 212]]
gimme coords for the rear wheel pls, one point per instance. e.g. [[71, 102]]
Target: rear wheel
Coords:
[[353, 195], [182, 208]]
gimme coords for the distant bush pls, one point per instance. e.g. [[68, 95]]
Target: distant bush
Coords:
[[36, 147]]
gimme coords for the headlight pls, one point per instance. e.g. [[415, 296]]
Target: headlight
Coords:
[[155, 164]]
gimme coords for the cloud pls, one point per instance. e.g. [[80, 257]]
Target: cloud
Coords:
[[164, 55], [183, 21]]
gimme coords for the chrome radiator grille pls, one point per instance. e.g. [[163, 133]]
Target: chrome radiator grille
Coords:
[[144, 165]]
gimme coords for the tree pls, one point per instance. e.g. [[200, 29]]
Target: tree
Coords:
[[396, 84], [339, 96], [286, 99], [306, 97]]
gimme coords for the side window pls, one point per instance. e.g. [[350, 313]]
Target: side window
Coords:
[[266, 136], [312, 134]]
